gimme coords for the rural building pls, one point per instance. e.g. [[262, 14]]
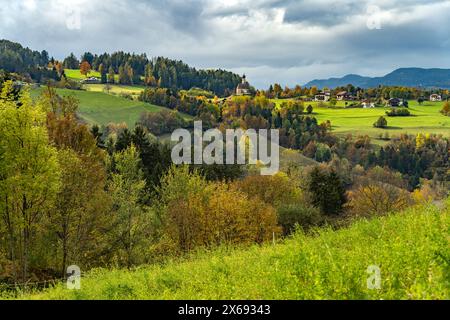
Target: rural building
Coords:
[[243, 88], [344, 95], [322, 96], [91, 80], [435, 97], [366, 104], [395, 102]]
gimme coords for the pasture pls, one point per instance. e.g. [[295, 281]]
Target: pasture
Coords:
[[425, 118], [102, 108], [115, 89], [75, 74]]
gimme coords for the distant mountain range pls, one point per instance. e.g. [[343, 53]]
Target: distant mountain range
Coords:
[[407, 77]]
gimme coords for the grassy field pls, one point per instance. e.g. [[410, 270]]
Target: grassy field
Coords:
[[426, 119], [75, 74], [411, 249], [102, 108], [115, 89]]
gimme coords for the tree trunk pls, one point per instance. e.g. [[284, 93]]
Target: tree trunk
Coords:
[[12, 242]]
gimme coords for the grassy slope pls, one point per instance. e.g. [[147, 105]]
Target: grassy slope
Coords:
[[115, 89], [102, 108], [410, 248], [75, 74], [427, 119]]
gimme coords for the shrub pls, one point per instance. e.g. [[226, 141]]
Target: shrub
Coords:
[[378, 199], [446, 109], [327, 191], [196, 213], [126, 95], [400, 112], [273, 190], [302, 215], [323, 153], [309, 109], [381, 123], [162, 122]]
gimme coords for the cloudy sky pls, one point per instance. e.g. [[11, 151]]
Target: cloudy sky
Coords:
[[285, 41]]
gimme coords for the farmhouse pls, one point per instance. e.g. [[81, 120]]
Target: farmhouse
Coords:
[[322, 96], [435, 97], [366, 104], [395, 102], [91, 80], [344, 95], [243, 88]]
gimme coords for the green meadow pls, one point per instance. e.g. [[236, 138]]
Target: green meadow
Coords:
[[75, 74], [410, 249], [102, 108], [425, 118], [115, 89]]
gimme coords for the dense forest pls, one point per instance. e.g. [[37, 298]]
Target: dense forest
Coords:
[[131, 68]]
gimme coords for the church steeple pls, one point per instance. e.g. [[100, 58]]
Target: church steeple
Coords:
[[243, 88]]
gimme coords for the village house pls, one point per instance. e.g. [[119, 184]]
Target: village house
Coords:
[[435, 97], [344, 96], [322, 96], [243, 88], [366, 104], [91, 80], [395, 102]]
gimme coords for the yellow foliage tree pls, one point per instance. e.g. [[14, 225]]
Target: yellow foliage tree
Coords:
[[197, 213], [274, 190], [378, 199]]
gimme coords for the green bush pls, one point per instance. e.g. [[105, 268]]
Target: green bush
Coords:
[[400, 112], [302, 215], [381, 123]]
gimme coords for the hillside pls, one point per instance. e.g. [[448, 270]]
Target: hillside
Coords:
[[102, 108], [410, 248], [407, 77]]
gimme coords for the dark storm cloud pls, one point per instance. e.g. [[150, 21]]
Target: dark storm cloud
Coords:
[[183, 15], [289, 41]]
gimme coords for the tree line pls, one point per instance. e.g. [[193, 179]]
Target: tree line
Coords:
[[157, 72]]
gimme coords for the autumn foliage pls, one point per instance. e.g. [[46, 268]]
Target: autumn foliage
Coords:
[[197, 213]]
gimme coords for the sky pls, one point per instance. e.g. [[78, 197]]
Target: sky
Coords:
[[285, 41]]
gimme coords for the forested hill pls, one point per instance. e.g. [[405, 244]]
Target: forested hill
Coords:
[[406, 77], [132, 69], [15, 58]]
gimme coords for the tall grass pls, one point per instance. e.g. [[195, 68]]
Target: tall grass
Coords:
[[411, 249]]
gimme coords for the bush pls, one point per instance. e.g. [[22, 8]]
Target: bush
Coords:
[[400, 112], [446, 109], [310, 109], [381, 123], [273, 190], [378, 199], [162, 122], [196, 213], [327, 191], [292, 215], [126, 95]]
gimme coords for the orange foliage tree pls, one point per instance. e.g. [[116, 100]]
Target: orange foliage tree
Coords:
[[85, 68]]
